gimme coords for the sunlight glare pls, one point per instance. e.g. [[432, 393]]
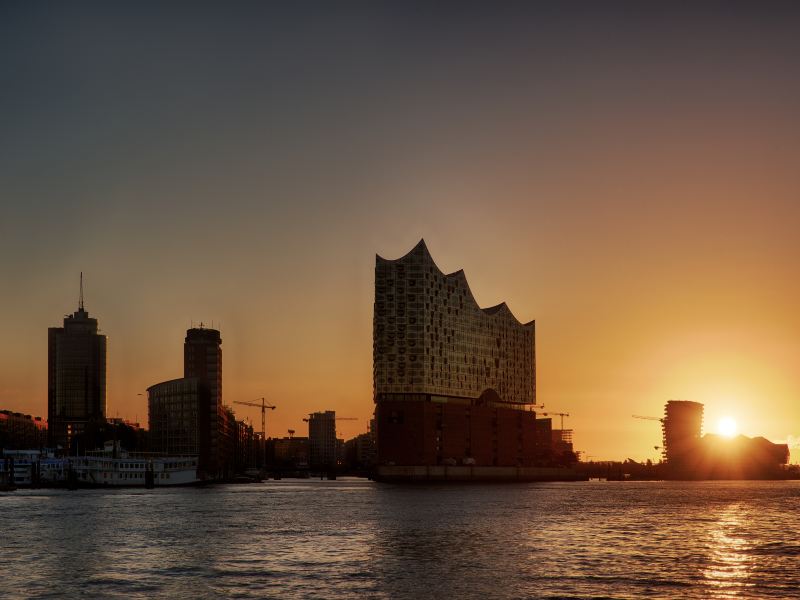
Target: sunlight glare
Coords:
[[727, 427]]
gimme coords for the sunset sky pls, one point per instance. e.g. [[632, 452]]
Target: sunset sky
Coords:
[[626, 174]]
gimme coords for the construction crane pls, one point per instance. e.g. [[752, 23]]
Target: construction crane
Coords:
[[263, 406], [340, 419], [562, 415], [660, 419]]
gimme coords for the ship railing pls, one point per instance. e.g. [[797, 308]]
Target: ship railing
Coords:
[[134, 455]]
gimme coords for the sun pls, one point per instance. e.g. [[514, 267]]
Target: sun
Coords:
[[727, 427]]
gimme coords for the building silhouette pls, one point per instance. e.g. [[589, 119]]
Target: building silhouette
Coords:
[[186, 415], [682, 428], [202, 358], [175, 413], [289, 453], [76, 377], [21, 432], [562, 441], [322, 443], [691, 455], [359, 452], [454, 384]]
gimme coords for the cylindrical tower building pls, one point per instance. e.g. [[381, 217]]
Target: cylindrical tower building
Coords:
[[683, 424]]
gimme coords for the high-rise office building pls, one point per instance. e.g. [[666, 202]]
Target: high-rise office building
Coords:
[[453, 383], [322, 439], [187, 415], [76, 376], [202, 358]]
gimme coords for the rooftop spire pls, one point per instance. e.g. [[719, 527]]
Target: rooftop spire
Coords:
[[80, 301]]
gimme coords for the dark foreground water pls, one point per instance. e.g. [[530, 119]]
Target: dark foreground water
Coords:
[[353, 538]]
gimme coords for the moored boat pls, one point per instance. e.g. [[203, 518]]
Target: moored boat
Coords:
[[110, 467]]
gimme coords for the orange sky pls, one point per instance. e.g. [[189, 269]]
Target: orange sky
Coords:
[[628, 179]]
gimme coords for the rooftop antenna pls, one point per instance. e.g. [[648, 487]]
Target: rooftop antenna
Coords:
[[80, 301]]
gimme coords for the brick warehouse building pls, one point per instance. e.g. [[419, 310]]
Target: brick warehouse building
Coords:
[[454, 384]]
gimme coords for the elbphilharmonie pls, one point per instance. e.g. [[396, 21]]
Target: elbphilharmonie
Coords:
[[454, 384]]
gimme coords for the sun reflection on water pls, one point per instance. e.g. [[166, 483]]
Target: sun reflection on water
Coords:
[[358, 539], [730, 561]]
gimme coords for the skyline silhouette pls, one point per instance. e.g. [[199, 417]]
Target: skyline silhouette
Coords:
[[627, 176]]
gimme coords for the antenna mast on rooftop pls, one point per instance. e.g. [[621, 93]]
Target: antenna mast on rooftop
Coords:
[[80, 301]]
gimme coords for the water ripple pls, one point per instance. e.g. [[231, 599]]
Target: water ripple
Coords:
[[354, 539]]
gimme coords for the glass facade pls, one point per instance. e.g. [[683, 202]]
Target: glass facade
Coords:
[[76, 377], [173, 415], [430, 338]]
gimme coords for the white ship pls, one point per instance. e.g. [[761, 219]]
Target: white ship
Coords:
[[110, 467]]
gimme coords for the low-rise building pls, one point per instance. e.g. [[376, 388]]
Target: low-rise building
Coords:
[[562, 441], [290, 452], [360, 452], [21, 432], [246, 448]]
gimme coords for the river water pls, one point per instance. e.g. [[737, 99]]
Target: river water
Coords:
[[355, 538]]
